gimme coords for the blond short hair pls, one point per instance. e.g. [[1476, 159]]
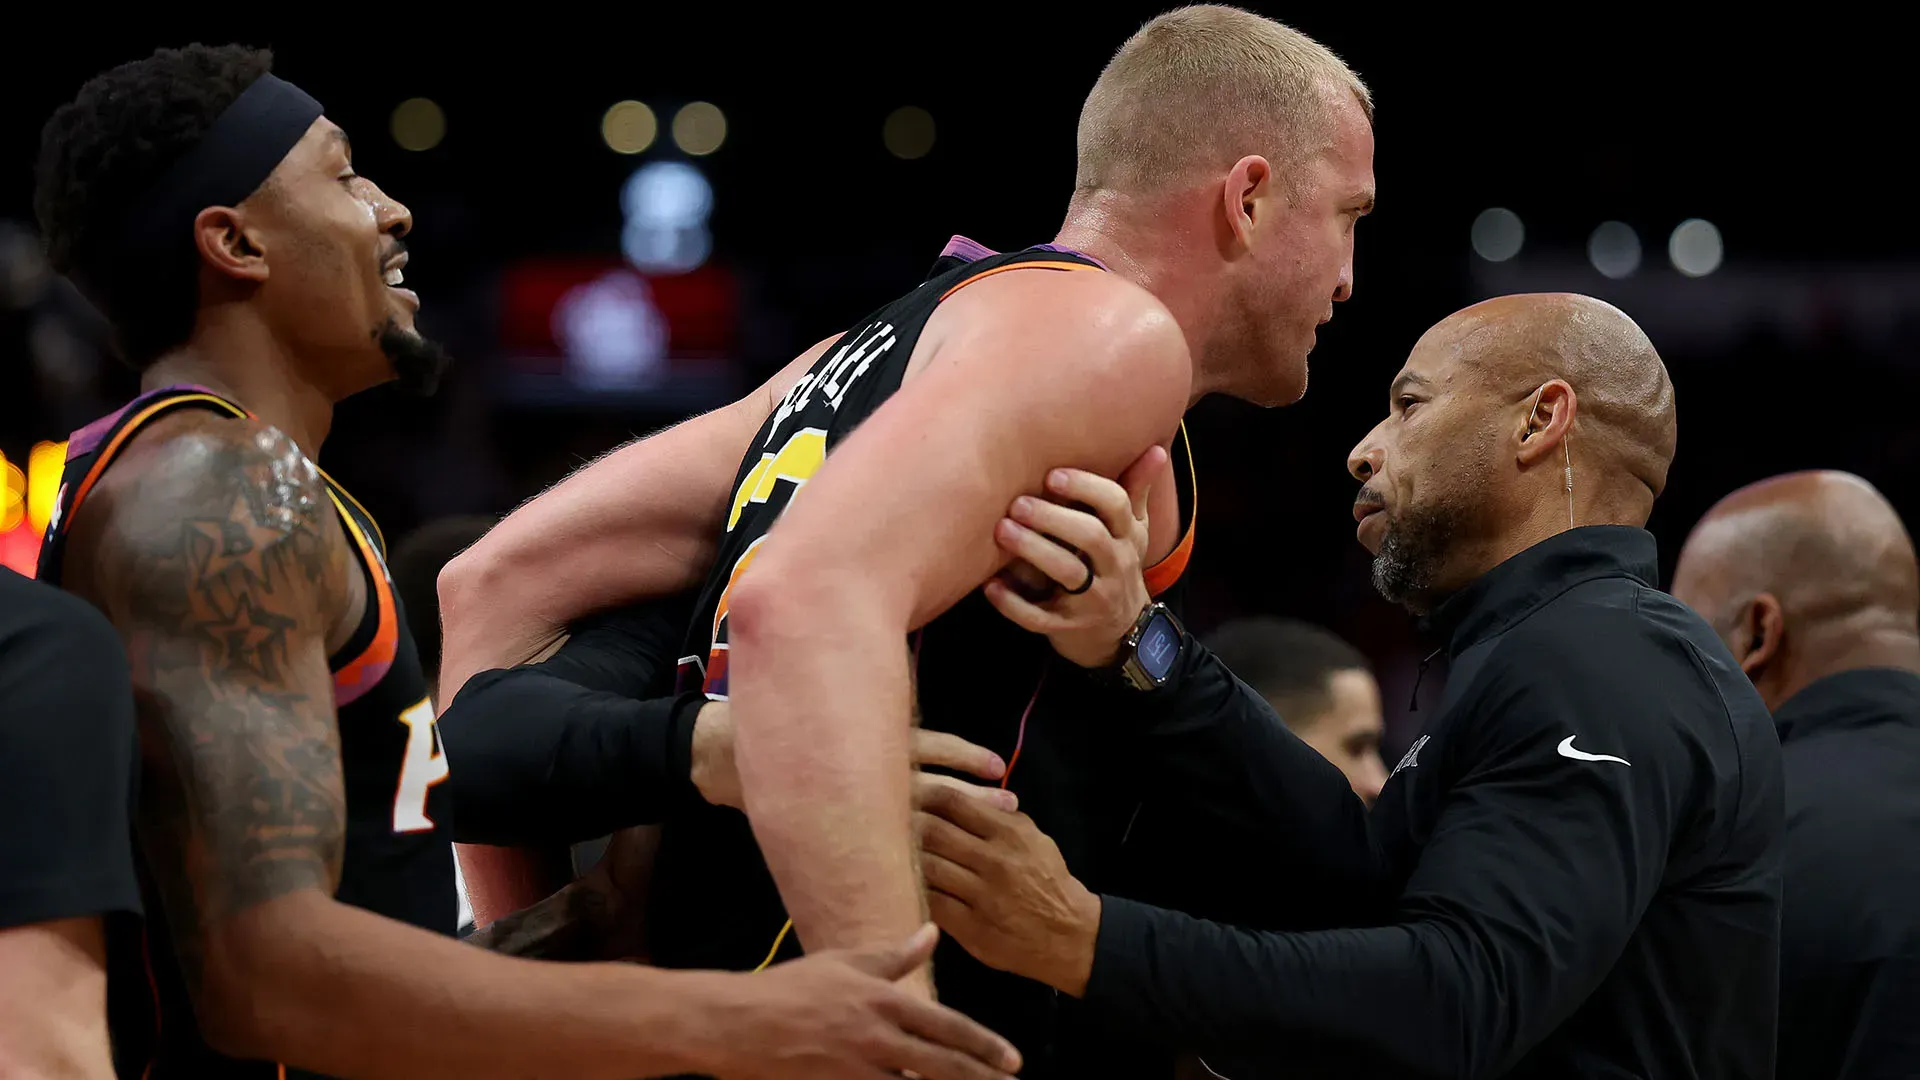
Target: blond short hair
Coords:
[[1201, 87]]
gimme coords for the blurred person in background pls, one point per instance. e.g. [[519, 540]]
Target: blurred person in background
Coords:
[[1199, 256], [69, 899], [1319, 685], [292, 813], [1585, 838], [1810, 580]]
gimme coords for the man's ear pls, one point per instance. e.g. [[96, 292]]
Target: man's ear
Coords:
[[1246, 184], [1544, 426], [1763, 631], [228, 246]]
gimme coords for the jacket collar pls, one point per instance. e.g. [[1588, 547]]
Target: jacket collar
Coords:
[[1862, 697], [1528, 581]]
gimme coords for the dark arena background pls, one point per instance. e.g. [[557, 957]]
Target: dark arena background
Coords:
[[627, 215]]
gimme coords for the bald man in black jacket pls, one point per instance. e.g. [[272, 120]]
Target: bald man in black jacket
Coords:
[[1810, 579], [1584, 839]]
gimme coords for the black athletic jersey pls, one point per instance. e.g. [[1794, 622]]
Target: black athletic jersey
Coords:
[[399, 854], [978, 676]]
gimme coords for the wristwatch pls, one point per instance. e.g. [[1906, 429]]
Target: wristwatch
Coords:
[[1151, 650]]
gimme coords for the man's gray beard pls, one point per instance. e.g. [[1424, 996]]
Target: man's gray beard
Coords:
[[1410, 557]]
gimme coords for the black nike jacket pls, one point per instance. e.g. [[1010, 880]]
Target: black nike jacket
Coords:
[[1586, 844]]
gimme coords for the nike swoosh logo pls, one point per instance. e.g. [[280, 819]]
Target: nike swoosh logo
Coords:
[[1567, 751]]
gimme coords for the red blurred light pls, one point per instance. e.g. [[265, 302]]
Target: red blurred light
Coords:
[[700, 308]]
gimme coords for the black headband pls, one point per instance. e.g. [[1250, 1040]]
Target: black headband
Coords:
[[230, 162]]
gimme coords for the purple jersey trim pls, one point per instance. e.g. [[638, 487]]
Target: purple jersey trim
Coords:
[[972, 251], [88, 439]]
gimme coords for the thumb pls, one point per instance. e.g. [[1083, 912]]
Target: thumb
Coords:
[[1139, 478], [891, 962]]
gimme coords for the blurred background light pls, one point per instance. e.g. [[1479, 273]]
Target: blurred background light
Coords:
[[13, 495], [613, 336], [1614, 249], [1695, 247], [667, 205], [44, 465], [699, 128], [629, 127], [418, 124], [1498, 234], [908, 132]]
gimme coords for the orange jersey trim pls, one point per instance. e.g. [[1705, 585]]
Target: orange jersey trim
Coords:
[[333, 487], [725, 605], [1162, 575], [127, 430], [1037, 265], [364, 671]]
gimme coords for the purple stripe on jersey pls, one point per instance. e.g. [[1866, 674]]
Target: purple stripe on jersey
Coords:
[[970, 250], [973, 250], [88, 439]]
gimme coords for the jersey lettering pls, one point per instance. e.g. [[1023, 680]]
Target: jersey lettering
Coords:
[[795, 462], [425, 766], [860, 349]]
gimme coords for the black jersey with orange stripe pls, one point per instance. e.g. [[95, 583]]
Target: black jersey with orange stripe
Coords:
[[398, 860], [978, 676]]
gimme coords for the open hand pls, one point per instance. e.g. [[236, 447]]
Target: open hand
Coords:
[[1093, 558], [841, 1015], [999, 886]]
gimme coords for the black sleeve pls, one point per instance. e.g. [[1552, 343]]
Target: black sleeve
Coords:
[[1849, 1020], [1240, 812], [1536, 874], [578, 745], [66, 759]]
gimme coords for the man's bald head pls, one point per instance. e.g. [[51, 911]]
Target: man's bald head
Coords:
[[1809, 569], [1493, 409], [1625, 424], [1200, 87]]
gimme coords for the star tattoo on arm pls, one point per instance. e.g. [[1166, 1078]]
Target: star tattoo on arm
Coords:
[[213, 548]]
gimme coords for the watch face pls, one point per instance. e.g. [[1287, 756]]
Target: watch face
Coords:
[[1159, 647]]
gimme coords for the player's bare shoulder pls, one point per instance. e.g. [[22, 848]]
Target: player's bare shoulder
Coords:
[[205, 511], [1100, 320]]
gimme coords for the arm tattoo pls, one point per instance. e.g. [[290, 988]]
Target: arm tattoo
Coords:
[[222, 566]]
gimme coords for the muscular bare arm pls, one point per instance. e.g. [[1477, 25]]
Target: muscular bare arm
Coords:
[[212, 548], [53, 1001], [642, 521], [1036, 370]]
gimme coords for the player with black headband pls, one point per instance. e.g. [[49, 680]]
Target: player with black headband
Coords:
[[293, 826]]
